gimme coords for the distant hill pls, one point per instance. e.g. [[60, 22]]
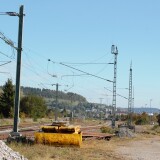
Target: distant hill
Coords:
[[141, 110], [147, 110], [51, 94], [47, 93]]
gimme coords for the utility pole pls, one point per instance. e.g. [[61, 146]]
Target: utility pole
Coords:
[[18, 73], [101, 101], [114, 51], [72, 111], [56, 112], [130, 98]]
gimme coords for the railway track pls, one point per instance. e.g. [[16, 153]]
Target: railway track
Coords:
[[93, 132], [5, 127], [24, 129], [88, 132], [29, 133]]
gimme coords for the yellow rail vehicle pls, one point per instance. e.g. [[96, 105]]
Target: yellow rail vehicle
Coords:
[[59, 134]]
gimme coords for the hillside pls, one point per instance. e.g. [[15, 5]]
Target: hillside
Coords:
[[140, 110], [51, 94]]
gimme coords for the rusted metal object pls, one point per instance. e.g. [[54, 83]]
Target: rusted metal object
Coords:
[[94, 135], [3, 136]]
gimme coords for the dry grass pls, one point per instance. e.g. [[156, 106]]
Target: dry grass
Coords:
[[148, 130], [6, 122], [9, 121], [90, 150]]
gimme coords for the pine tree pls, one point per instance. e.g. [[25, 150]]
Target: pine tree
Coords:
[[7, 99]]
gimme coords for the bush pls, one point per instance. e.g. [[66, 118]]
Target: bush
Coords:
[[35, 118], [33, 106], [105, 129], [124, 117], [1, 116], [158, 119], [156, 128], [142, 119], [22, 115]]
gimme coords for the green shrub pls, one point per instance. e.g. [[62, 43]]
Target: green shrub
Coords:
[[106, 129], [142, 119], [1, 116], [158, 119], [156, 128]]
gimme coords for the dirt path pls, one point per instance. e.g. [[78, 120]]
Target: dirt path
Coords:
[[144, 149]]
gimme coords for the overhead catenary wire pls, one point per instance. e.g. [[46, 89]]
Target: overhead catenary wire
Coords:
[[85, 72], [43, 86], [33, 71], [7, 41], [36, 53], [31, 68], [101, 70], [5, 63], [30, 64], [91, 62], [105, 66], [28, 67], [73, 75], [116, 93], [97, 59], [85, 63], [52, 75], [5, 72], [6, 55]]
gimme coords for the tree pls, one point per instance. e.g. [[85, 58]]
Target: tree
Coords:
[[33, 106], [64, 112], [158, 119], [7, 99]]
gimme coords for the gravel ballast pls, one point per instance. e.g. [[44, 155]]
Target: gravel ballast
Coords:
[[7, 153]]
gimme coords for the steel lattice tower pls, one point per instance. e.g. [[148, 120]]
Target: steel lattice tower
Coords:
[[114, 51], [130, 100], [133, 101]]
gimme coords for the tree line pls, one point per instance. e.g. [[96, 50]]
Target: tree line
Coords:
[[33, 103], [30, 105], [48, 93]]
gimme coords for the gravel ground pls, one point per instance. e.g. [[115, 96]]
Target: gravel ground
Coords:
[[146, 149], [7, 153]]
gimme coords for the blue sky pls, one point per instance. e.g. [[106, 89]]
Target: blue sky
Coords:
[[83, 31]]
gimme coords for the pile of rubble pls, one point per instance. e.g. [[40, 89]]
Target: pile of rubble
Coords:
[[7, 153], [126, 132]]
